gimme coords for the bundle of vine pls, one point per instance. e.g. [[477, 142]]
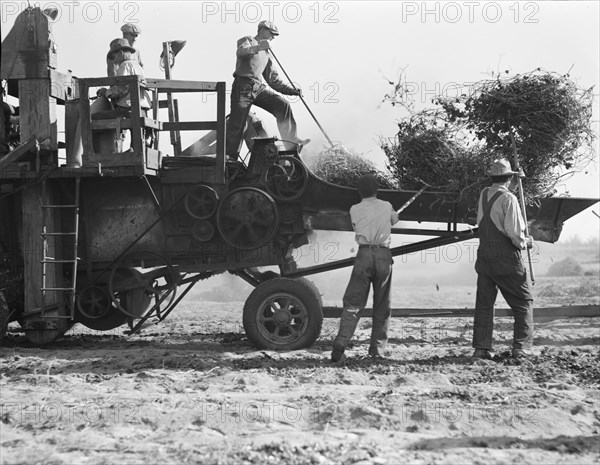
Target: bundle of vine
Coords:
[[547, 115], [342, 166]]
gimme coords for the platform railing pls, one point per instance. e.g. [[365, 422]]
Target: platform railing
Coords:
[[138, 122]]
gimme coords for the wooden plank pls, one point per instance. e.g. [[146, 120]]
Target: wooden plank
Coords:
[[170, 85], [539, 313], [38, 111], [84, 116], [20, 152], [190, 126], [221, 168], [103, 124], [204, 146], [32, 245], [113, 159], [137, 136], [110, 81], [61, 86]]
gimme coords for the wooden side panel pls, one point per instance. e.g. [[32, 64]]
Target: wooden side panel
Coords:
[[32, 246], [38, 112]]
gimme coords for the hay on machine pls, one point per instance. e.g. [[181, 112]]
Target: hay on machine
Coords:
[[342, 166], [451, 145]]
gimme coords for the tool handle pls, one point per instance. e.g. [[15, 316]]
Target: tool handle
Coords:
[[411, 200], [302, 98], [522, 201]]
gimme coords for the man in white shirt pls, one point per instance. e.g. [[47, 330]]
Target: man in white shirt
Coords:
[[372, 220], [499, 264]]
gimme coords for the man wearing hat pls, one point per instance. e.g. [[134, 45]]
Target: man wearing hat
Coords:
[[255, 83], [372, 221], [130, 33], [123, 54], [499, 264]]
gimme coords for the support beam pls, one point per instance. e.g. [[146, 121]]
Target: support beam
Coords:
[[539, 314]]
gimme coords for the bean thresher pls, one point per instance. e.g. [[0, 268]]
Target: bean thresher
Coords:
[[108, 237]]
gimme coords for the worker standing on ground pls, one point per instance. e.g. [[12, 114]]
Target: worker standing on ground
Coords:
[[372, 221], [130, 33], [255, 83], [499, 264]]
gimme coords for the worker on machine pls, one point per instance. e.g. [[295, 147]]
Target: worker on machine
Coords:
[[255, 83]]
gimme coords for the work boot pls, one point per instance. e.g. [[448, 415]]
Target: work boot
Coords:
[[523, 353], [483, 353], [300, 143], [337, 354], [375, 354]]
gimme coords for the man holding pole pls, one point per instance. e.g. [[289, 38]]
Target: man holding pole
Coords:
[[502, 236], [255, 83]]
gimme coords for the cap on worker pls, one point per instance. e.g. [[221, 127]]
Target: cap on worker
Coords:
[[500, 167], [119, 44], [269, 26], [131, 28], [367, 186]]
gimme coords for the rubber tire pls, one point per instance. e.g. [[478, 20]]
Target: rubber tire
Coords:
[[301, 291]]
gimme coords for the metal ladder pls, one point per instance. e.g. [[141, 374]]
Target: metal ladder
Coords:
[[49, 262]]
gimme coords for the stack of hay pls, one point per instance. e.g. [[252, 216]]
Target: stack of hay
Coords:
[[450, 147]]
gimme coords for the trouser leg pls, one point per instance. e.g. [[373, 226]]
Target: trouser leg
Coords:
[[516, 292], [241, 102], [355, 299], [382, 284], [483, 323], [278, 106]]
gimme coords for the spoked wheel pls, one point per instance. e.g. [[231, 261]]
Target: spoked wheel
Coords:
[[286, 179], [136, 293], [201, 202], [283, 314], [95, 309], [247, 218], [94, 302]]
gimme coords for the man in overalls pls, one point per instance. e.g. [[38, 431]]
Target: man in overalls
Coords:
[[499, 264]]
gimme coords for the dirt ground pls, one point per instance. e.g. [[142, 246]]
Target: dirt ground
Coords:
[[193, 390]]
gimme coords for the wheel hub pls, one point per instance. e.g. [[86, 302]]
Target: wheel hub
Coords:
[[282, 318]]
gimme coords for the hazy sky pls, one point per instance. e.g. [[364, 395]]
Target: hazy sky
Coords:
[[340, 52]]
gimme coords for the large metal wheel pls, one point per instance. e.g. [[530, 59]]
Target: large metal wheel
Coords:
[[283, 314], [287, 179], [247, 218], [94, 302], [201, 202], [136, 293], [95, 309]]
